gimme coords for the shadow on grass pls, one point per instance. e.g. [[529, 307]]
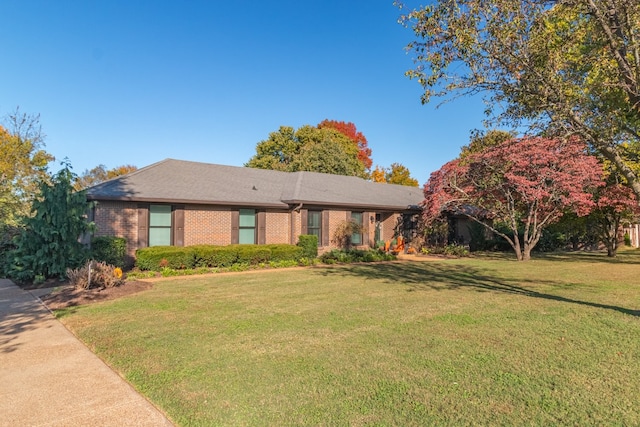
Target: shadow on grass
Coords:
[[441, 276], [630, 256]]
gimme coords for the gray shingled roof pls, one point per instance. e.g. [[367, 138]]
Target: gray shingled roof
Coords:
[[177, 181]]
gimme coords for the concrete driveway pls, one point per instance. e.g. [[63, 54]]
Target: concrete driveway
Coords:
[[49, 378]]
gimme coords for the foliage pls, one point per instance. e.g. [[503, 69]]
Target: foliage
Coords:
[[349, 130], [342, 234], [157, 258], [23, 164], [481, 141], [214, 256], [564, 68], [452, 249], [109, 249], [524, 183], [397, 174], [99, 174], [49, 243], [378, 174], [308, 149], [309, 245], [346, 256], [95, 274], [615, 204]]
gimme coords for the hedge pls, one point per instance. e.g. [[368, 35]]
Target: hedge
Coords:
[[158, 257], [286, 252], [214, 256], [175, 257]]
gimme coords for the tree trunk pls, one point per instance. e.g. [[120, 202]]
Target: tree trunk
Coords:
[[526, 253]]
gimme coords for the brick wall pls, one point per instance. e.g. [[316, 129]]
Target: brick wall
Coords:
[[212, 225], [278, 227], [207, 225], [119, 219]]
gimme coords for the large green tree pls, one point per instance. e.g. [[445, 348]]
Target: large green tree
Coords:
[[49, 242], [567, 67], [308, 149]]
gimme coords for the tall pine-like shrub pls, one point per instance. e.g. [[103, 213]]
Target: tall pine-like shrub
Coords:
[[50, 243]]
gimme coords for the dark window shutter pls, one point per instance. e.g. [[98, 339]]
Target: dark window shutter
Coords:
[[143, 225], [325, 228], [365, 227], [262, 222], [178, 225], [304, 221], [235, 224]]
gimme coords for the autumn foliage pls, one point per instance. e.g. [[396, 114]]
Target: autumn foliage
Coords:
[[349, 130], [525, 184]]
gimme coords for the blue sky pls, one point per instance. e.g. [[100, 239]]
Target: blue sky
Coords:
[[134, 82]]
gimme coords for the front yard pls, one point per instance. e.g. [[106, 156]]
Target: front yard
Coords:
[[491, 341]]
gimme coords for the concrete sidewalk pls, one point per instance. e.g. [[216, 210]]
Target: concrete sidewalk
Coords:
[[49, 378]]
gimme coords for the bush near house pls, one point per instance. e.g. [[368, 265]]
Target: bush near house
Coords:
[[355, 255], [109, 249], [158, 257], [309, 244]]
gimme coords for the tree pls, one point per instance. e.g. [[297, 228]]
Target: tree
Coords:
[[349, 130], [614, 204], [99, 174], [49, 244], [397, 174], [568, 67], [524, 184], [23, 162], [308, 149], [379, 174]]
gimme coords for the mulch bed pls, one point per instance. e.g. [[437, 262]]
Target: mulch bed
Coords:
[[64, 295]]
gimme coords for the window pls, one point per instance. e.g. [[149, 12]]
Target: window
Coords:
[[314, 225], [356, 238], [159, 225], [247, 226]]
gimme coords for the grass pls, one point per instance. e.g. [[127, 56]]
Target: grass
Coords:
[[488, 341]]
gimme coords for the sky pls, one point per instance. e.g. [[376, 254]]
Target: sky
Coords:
[[137, 81]]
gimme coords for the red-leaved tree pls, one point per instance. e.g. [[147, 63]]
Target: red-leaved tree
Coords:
[[615, 203], [523, 184], [349, 130]]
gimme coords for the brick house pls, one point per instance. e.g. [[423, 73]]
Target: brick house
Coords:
[[184, 203]]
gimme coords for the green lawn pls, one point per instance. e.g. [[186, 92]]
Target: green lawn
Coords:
[[483, 341]]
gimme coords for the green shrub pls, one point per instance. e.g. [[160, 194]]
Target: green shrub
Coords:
[[309, 245], [252, 254], [215, 256], [158, 257], [283, 252], [627, 239], [109, 249], [355, 255]]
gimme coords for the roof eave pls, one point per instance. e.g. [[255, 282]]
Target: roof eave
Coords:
[[185, 201]]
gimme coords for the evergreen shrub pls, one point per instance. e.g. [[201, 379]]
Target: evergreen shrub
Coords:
[[309, 245], [109, 249]]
